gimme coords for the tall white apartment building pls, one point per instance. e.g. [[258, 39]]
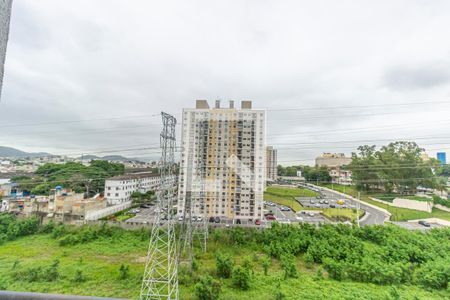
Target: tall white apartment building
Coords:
[[118, 189], [223, 162], [271, 164]]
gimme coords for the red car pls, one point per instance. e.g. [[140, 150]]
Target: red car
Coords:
[[257, 222]]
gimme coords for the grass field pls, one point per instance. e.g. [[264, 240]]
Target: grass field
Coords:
[[398, 214], [286, 196], [99, 262]]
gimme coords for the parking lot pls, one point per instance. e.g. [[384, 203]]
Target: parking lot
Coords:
[[284, 214], [145, 216], [325, 203]]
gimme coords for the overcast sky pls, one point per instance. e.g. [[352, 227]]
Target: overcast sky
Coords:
[[332, 74]]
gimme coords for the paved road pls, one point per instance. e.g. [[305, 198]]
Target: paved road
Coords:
[[416, 226], [373, 216]]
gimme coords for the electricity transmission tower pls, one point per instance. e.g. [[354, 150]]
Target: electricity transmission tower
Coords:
[[160, 279], [195, 224]]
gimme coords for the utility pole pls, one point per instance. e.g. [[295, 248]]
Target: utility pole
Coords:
[[160, 280]]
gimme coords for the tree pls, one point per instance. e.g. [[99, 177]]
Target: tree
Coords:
[[76, 176], [207, 288], [241, 278], [362, 166], [315, 174], [398, 166]]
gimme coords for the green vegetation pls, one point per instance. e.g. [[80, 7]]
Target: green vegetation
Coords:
[[309, 173], [304, 262], [141, 198], [76, 176], [286, 196], [398, 214], [120, 216], [398, 166]]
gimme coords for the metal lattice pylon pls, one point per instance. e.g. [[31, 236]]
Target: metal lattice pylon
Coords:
[[194, 205], [160, 279]]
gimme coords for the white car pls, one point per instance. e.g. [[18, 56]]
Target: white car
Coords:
[[199, 219], [180, 218]]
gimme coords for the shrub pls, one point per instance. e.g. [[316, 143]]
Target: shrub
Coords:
[[288, 265], [248, 264], [309, 260], [334, 269], [207, 288], [224, 265], [79, 277], [51, 273], [266, 264], [319, 273], [241, 278], [124, 272], [434, 275], [279, 295]]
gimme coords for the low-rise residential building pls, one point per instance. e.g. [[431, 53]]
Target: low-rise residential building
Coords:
[[118, 189], [340, 176], [61, 206]]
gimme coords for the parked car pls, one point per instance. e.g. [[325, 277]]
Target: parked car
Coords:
[[199, 218], [270, 218], [211, 219], [332, 206], [424, 223], [312, 201], [257, 222], [311, 214], [180, 218], [321, 202], [325, 201], [216, 220]]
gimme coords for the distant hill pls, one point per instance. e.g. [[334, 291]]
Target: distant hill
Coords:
[[108, 157], [12, 152]]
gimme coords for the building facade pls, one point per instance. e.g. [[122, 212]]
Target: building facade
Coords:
[[442, 157], [271, 164], [5, 16], [340, 176], [118, 189], [333, 160], [223, 161]]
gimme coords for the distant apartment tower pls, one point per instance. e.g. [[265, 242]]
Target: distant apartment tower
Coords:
[[5, 15], [442, 157], [333, 160], [223, 162], [271, 164]]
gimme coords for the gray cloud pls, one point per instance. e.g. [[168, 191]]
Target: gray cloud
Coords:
[[422, 77], [84, 60]]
